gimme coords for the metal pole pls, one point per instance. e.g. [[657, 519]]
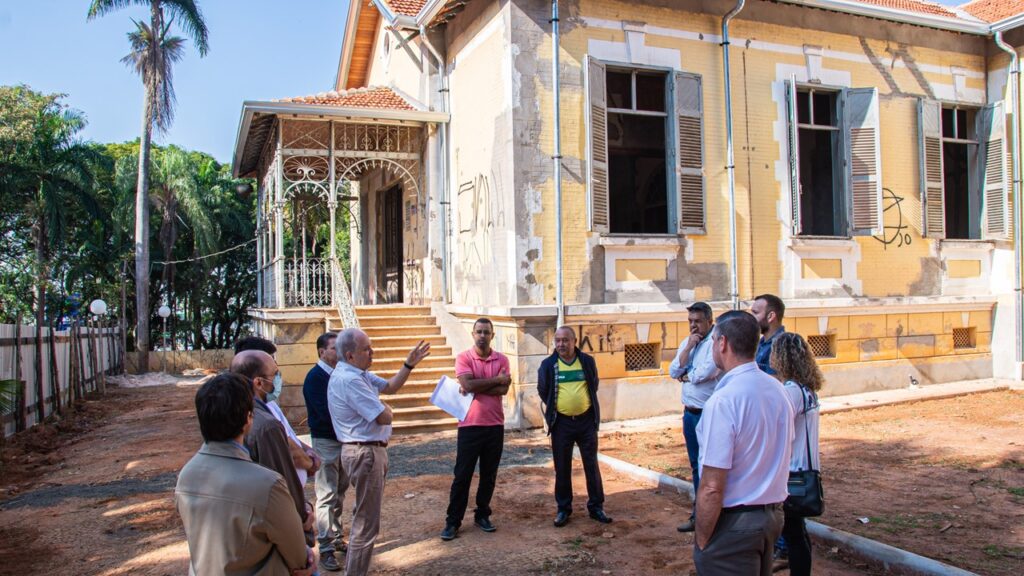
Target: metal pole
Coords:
[[730, 160], [557, 158], [163, 356]]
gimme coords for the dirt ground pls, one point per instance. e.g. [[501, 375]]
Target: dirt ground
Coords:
[[942, 478], [93, 495]]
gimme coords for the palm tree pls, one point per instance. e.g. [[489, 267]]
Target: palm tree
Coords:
[[153, 54], [50, 169]]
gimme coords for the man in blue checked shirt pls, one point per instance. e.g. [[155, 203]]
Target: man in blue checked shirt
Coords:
[[695, 368]]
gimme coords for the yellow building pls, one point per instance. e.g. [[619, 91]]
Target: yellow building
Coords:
[[862, 171]]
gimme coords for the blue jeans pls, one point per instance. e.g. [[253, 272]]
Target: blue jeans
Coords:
[[690, 421]]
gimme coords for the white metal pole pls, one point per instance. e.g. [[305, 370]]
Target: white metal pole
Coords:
[[730, 159], [557, 158]]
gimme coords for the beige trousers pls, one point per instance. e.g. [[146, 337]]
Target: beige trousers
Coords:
[[366, 468]]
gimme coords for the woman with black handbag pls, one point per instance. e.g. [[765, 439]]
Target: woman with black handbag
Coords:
[[794, 363]]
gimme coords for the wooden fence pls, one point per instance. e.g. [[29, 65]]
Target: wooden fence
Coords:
[[74, 362]]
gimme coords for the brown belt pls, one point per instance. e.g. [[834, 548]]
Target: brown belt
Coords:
[[380, 443]]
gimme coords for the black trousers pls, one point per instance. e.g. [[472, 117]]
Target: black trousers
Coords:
[[581, 431], [795, 532], [483, 443]]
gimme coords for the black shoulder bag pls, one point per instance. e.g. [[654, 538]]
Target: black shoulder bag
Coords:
[[806, 497]]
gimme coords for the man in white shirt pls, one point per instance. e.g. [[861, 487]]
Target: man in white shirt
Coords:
[[745, 435], [362, 424], [695, 367]]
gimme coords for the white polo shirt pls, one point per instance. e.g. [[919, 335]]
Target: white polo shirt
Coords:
[[747, 429], [353, 398]]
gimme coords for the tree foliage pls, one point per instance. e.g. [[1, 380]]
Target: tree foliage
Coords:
[[89, 207]]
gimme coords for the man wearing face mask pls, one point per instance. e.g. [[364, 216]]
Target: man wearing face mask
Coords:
[[307, 461], [267, 441]]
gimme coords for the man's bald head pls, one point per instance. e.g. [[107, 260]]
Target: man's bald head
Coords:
[[254, 364]]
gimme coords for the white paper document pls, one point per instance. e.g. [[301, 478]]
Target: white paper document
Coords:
[[446, 396]]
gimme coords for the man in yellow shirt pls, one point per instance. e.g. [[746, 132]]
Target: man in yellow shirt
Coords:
[[567, 383]]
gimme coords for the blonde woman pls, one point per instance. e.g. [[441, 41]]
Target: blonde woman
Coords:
[[794, 363]]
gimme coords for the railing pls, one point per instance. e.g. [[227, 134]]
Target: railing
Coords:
[[307, 282], [343, 298]]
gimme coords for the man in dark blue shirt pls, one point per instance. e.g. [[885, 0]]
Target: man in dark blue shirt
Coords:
[[768, 309], [330, 479]]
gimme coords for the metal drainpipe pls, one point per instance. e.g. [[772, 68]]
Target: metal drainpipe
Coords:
[[557, 158], [1018, 305], [444, 202], [730, 160]]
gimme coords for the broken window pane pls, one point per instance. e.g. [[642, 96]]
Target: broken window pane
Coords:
[[638, 191], [824, 108], [803, 107], [650, 92], [620, 89]]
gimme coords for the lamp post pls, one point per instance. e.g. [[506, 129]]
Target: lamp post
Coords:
[[164, 312], [98, 308]]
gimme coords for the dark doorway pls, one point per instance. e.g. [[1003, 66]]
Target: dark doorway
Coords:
[[390, 246]]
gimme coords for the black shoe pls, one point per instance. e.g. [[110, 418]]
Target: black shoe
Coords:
[[561, 519], [688, 526], [329, 563], [600, 516], [449, 532], [484, 524]]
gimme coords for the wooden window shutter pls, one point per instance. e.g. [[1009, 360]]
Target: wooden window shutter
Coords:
[[992, 138], [690, 153], [597, 145], [863, 161], [794, 156], [932, 180]]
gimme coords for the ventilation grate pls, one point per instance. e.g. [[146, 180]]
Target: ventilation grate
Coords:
[[964, 338], [641, 357], [822, 346]]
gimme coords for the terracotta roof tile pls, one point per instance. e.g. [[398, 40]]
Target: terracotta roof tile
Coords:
[[993, 10], [371, 97], [406, 7], [919, 6]]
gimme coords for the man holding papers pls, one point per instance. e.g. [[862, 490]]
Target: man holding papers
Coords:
[[484, 373]]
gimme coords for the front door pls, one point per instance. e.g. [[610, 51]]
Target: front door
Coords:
[[390, 246]]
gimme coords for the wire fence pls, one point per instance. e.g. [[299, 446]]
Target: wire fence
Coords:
[[50, 369]]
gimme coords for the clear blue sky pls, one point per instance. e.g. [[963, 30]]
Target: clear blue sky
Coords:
[[259, 50]]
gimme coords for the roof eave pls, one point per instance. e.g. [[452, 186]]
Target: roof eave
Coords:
[[429, 11], [927, 20], [348, 44], [249, 108], [1010, 23]]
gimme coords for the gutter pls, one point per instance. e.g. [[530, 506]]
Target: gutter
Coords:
[[395, 20], [927, 20], [730, 161], [1013, 77]]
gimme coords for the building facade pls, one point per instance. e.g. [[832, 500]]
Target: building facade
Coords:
[[863, 173]]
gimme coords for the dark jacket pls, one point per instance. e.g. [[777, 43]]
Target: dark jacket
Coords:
[[314, 390], [547, 386], [267, 443]]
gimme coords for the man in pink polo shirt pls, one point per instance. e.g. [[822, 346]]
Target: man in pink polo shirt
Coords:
[[484, 373]]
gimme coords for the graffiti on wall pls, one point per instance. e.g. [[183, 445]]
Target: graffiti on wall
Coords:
[[894, 228], [481, 211]]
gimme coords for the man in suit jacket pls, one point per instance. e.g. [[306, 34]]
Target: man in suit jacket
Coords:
[[567, 383], [267, 440], [239, 518], [331, 480]]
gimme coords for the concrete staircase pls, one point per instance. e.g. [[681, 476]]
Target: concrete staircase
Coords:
[[394, 329]]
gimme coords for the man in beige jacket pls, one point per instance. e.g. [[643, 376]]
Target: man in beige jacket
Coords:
[[239, 518]]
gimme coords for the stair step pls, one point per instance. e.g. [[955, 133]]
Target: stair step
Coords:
[[419, 332], [421, 426], [393, 363], [416, 387], [404, 342], [403, 400], [437, 350], [428, 374], [428, 412], [392, 310], [395, 321]]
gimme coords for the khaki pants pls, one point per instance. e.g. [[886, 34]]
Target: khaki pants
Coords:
[[366, 468], [741, 544], [331, 483]]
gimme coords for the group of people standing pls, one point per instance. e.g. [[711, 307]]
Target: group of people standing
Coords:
[[738, 425], [750, 416]]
